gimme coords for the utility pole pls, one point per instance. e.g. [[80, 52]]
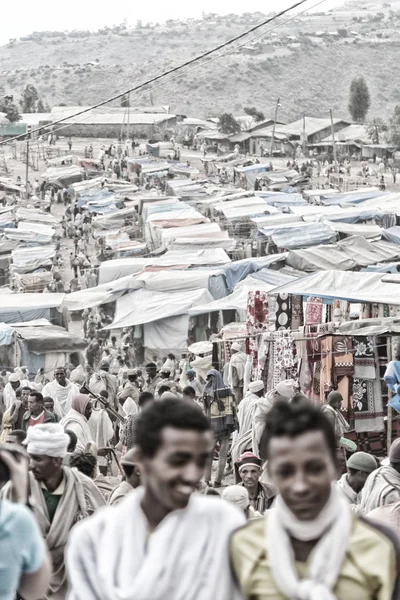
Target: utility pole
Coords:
[[278, 104], [304, 134], [28, 134], [129, 110], [333, 141]]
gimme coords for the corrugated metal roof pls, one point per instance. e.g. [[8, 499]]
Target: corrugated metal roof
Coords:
[[107, 118], [313, 125]]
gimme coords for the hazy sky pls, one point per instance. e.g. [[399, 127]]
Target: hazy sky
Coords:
[[26, 16]]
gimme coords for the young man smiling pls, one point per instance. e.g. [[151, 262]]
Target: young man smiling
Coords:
[[310, 545], [162, 542]]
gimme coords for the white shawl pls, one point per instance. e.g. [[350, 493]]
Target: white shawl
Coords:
[[77, 423], [62, 395], [112, 557], [381, 488], [242, 439], [332, 529]]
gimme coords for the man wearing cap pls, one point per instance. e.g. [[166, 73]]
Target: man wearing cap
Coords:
[[60, 496], [194, 383], [14, 382], [130, 481], [359, 466], [383, 485], [242, 439], [236, 370], [130, 388], [261, 494], [61, 390], [332, 411]]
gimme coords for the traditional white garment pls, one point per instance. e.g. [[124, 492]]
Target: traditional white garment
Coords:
[[201, 365], [242, 440], [101, 428], [77, 423], [112, 557], [381, 488], [238, 362], [62, 395], [351, 496], [9, 396], [262, 409], [331, 527]]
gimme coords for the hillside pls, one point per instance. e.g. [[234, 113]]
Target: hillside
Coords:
[[308, 63]]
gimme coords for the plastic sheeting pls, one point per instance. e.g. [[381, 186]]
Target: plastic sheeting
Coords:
[[239, 270], [26, 260], [303, 236], [364, 230], [144, 306], [392, 234], [351, 286], [50, 338], [166, 335]]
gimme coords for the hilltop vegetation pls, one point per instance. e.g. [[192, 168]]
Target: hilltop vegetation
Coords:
[[308, 62]]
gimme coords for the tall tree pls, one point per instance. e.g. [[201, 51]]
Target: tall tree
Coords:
[[29, 99], [360, 99], [8, 107], [228, 124], [257, 115]]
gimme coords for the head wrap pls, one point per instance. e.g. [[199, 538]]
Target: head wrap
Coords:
[[256, 386], [286, 388], [334, 396], [248, 458], [168, 396], [394, 452], [130, 407], [80, 402], [48, 439], [236, 346], [14, 377], [361, 461], [214, 384], [238, 495]]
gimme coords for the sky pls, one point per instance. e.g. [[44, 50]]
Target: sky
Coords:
[[26, 16]]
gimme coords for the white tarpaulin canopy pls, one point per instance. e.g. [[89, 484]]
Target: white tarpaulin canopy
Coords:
[[26, 260], [344, 285], [17, 302], [145, 306]]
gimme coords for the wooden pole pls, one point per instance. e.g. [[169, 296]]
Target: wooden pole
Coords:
[[274, 127], [334, 141], [304, 135]]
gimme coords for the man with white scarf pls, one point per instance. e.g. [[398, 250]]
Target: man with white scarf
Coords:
[[161, 542], [14, 382], [383, 485], [311, 545], [359, 467], [61, 390], [60, 496], [242, 440], [236, 370]]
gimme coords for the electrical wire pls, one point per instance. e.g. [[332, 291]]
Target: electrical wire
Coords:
[[197, 58]]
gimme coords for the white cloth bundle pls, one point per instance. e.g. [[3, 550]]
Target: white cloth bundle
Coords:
[[332, 527], [112, 557], [48, 439]]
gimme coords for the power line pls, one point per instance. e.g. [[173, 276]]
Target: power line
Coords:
[[187, 72], [170, 71]]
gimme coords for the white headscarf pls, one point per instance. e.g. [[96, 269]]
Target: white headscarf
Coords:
[[48, 439]]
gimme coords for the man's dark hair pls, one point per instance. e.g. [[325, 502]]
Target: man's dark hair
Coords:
[[38, 396], [189, 391], [132, 376], [145, 398], [74, 440], [104, 394], [26, 387], [151, 366], [85, 463], [20, 434], [168, 413], [291, 420], [128, 470], [48, 399], [162, 389]]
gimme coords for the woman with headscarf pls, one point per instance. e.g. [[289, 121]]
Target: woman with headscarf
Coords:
[[219, 404], [76, 420]]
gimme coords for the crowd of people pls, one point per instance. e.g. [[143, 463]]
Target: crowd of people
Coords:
[[120, 489]]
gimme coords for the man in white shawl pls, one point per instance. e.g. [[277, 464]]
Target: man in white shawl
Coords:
[[242, 440], [103, 380], [383, 485], [9, 395], [161, 542], [236, 370], [60, 496], [311, 545], [359, 467], [76, 420], [61, 390]]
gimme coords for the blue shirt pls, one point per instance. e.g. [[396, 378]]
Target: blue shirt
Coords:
[[22, 547]]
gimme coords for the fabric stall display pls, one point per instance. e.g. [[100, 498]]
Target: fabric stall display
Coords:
[[257, 321], [283, 312], [281, 359], [336, 367], [367, 393], [313, 312], [297, 312]]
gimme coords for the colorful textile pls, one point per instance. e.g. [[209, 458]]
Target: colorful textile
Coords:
[[367, 392], [283, 312], [297, 312], [313, 311], [257, 321], [364, 358]]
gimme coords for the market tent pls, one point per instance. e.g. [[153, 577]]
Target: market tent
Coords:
[[303, 236], [31, 233], [392, 234], [366, 327], [27, 307], [249, 211], [49, 338], [344, 285], [364, 230], [26, 260], [240, 269], [35, 215]]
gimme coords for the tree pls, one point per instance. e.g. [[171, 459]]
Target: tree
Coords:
[[375, 130], [8, 106], [125, 101], [29, 99], [257, 115], [360, 99], [40, 108], [228, 124], [395, 127]]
